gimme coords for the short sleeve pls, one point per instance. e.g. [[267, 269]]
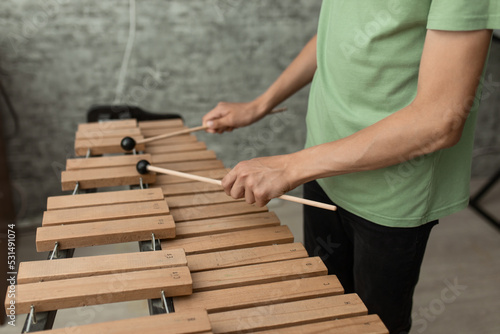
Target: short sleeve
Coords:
[[464, 15]]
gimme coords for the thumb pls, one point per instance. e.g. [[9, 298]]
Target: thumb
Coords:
[[218, 125]]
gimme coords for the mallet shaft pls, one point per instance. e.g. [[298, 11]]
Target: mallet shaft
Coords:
[[218, 182]]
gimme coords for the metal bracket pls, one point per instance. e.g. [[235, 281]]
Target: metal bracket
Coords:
[[77, 185], [55, 252]]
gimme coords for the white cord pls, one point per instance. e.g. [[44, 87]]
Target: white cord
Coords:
[[128, 51]]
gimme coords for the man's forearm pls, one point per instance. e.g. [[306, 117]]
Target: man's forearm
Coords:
[[298, 74], [433, 121]]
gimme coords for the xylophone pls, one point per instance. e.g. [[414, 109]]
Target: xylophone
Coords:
[[208, 263]]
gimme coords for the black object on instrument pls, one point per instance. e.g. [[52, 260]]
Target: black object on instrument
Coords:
[[142, 166], [128, 143]]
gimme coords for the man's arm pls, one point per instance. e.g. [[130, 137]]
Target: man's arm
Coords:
[[450, 70], [228, 116]]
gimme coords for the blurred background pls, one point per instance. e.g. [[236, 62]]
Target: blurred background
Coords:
[[60, 57]]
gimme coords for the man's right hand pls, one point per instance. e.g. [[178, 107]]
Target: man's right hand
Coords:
[[227, 116]]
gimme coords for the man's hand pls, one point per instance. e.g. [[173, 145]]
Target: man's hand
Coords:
[[261, 179], [227, 116]]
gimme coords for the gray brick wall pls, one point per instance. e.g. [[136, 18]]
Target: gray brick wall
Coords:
[[61, 56]]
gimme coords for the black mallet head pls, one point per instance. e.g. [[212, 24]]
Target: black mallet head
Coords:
[[128, 143], [142, 166]]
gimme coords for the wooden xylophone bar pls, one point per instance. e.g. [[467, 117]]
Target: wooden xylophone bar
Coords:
[[224, 266]]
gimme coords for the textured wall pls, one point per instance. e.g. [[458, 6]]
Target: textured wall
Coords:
[[62, 56]]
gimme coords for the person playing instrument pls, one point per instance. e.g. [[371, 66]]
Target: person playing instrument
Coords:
[[392, 108]]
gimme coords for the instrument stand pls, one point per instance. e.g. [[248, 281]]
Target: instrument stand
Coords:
[[474, 200]]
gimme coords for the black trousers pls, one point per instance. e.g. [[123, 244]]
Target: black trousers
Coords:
[[381, 264]]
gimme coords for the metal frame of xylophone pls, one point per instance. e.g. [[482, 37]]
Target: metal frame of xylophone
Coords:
[[245, 270]]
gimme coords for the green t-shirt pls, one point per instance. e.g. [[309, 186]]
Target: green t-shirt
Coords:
[[368, 55]]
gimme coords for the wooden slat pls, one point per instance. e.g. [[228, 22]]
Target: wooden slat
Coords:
[[258, 274], [203, 198], [211, 173], [181, 139], [232, 240], [189, 229], [182, 156], [104, 212], [164, 123], [187, 188], [152, 132], [192, 322], [103, 145], [261, 294], [108, 161], [111, 125], [104, 233], [287, 314], [103, 133], [368, 324], [214, 210], [103, 289], [194, 146], [192, 166], [245, 256], [104, 177], [104, 198], [42, 271]]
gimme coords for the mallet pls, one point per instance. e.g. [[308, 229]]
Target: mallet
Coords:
[[143, 167], [128, 143]]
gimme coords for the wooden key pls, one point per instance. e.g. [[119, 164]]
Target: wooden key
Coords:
[[102, 289], [104, 198], [261, 294], [104, 232], [103, 177], [258, 274], [42, 271], [104, 212], [192, 322], [188, 147], [232, 240], [193, 166], [211, 173], [102, 146], [288, 314], [153, 132], [183, 156], [103, 162], [245, 256], [111, 125], [186, 188], [200, 198], [368, 324], [167, 123], [93, 134], [196, 228], [183, 139], [214, 210]]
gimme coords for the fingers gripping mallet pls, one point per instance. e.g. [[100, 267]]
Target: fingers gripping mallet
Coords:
[[143, 167], [129, 143]]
